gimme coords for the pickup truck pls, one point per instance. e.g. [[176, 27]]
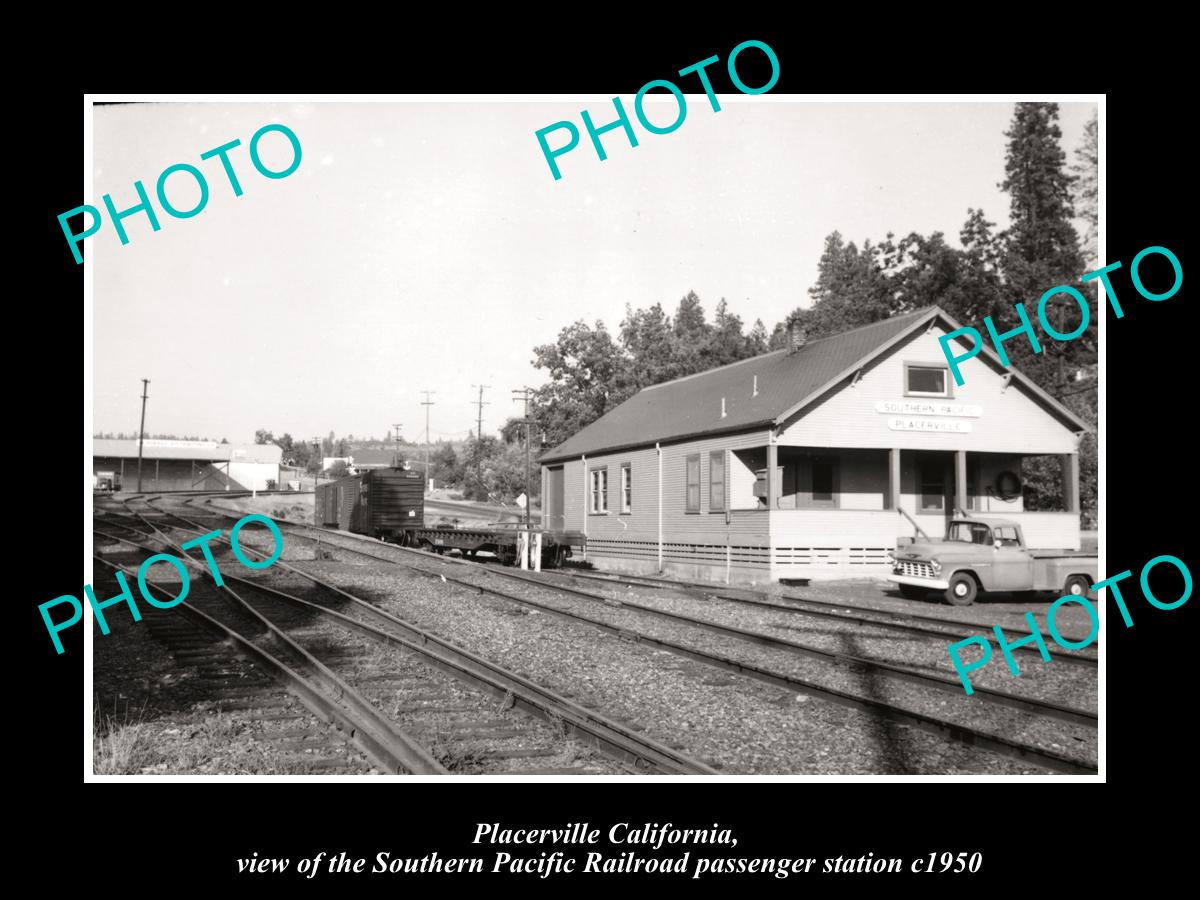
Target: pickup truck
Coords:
[[987, 554]]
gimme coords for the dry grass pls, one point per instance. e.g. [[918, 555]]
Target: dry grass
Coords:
[[117, 744]]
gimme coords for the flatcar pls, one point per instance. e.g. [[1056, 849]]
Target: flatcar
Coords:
[[389, 504]]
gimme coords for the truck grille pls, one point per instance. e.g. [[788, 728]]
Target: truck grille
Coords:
[[914, 569]]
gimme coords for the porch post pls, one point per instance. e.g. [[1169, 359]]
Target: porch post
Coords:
[[960, 481], [1070, 481], [774, 488], [894, 478]]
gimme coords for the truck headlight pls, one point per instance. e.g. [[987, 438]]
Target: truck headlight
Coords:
[[889, 558], [935, 566]]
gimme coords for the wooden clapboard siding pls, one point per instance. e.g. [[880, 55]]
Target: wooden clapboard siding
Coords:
[[1042, 530], [1011, 422], [833, 543], [694, 539], [834, 528], [1049, 530], [986, 500], [861, 481]]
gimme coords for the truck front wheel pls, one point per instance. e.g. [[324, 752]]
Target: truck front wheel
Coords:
[[962, 590]]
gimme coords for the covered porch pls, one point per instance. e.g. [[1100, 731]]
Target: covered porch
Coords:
[[837, 512]]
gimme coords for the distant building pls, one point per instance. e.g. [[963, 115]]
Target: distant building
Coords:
[[170, 465], [816, 460], [328, 462], [377, 458]]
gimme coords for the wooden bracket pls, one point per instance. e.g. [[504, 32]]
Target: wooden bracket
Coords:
[[1008, 377], [857, 378]]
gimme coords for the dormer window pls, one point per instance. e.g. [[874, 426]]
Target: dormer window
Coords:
[[926, 380]]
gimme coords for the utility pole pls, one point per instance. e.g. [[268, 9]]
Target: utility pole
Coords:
[[396, 458], [479, 435], [142, 430], [523, 394], [316, 442], [427, 403]]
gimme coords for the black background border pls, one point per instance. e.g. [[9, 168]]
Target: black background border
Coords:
[[161, 835]]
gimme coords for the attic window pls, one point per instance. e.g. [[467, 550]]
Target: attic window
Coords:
[[926, 381]]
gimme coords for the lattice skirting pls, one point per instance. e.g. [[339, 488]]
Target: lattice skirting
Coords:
[[713, 554], [747, 556], [831, 556]]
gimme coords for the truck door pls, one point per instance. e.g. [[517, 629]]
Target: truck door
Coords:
[[1012, 566]]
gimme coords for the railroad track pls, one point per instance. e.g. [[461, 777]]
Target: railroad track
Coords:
[[460, 699], [894, 619], [942, 727], [295, 737], [253, 636]]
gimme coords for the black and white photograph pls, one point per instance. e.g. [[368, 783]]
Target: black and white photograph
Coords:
[[531, 438]]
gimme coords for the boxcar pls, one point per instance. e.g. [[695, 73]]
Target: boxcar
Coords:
[[383, 503], [390, 504]]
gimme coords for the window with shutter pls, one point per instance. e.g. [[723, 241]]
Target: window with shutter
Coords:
[[693, 483], [716, 480]]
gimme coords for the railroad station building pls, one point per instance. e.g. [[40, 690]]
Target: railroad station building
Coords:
[[171, 465], [814, 461]]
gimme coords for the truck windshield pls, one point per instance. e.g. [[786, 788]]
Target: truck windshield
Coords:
[[969, 533]]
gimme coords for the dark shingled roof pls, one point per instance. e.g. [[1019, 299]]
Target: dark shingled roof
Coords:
[[691, 406]]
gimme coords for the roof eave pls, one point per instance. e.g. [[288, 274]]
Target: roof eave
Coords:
[[554, 456]]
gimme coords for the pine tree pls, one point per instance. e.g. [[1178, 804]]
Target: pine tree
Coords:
[[1086, 195], [1040, 250], [1041, 247], [690, 334], [851, 290]]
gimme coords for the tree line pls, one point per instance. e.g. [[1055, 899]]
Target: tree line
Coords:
[[590, 370], [489, 469]]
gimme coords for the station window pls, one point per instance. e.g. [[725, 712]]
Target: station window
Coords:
[[599, 492], [926, 381], [716, 480], [626, 488], [693, 483]]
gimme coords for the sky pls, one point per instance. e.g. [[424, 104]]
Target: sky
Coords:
[[426, 245]]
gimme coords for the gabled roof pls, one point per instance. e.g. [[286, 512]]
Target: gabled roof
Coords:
[[690, 407]]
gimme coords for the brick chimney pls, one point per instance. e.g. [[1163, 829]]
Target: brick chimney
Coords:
[[797, 338]]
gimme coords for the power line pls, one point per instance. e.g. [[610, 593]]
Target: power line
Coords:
[[142, 431], [427, 403], [479, 435]]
